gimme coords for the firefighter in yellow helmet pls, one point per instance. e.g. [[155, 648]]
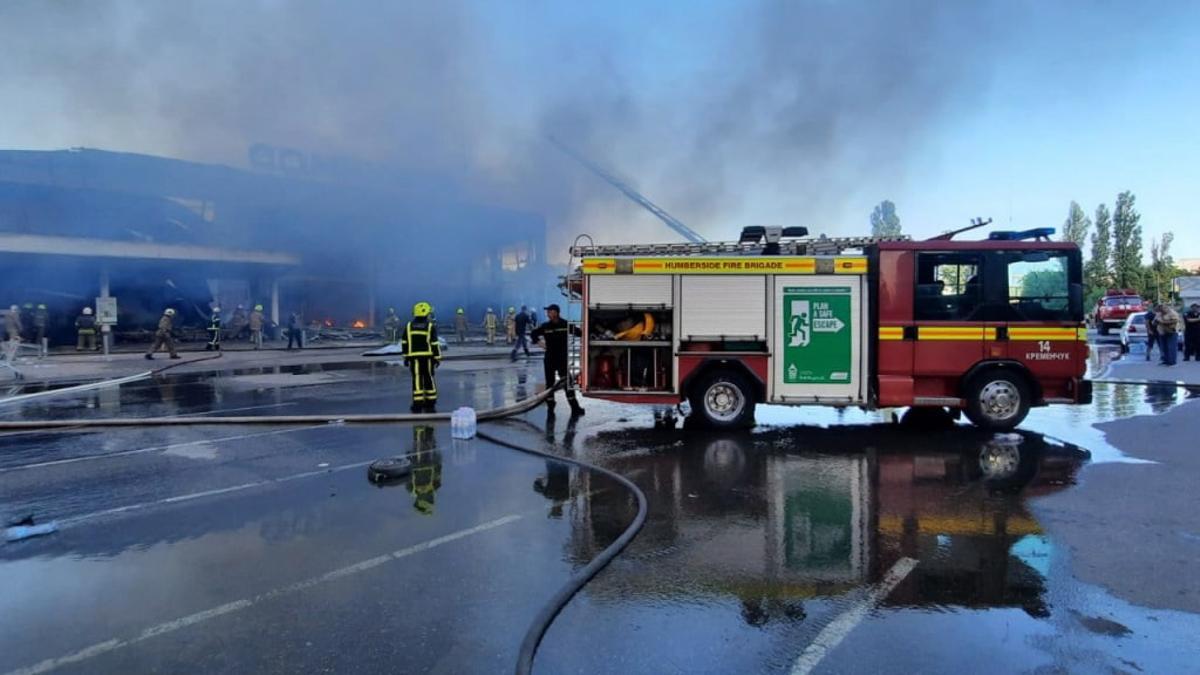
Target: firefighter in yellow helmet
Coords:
[[426, 476], [422, 355], [490, 323]]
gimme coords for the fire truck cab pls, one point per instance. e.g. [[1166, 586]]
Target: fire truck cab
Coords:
[[989, 328]]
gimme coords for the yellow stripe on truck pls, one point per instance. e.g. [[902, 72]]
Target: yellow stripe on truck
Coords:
[[891, 332], [849, 265], [956, 333], [1044, 333]]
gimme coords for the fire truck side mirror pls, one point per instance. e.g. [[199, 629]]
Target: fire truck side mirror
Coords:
[[1075, 298]]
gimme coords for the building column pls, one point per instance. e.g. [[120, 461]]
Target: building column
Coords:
[[275, 300]]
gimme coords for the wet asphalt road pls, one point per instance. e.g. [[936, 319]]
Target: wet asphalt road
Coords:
[[821, 540]]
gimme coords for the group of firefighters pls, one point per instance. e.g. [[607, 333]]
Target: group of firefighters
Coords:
[[418, 338], [30, 324]]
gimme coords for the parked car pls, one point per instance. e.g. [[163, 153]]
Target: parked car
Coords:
[[1133, 331], [1115, 307]]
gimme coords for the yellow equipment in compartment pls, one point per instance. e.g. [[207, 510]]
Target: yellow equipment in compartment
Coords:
[[638, 331]]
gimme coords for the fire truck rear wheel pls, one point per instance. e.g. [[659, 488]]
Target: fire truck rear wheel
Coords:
[[723, 399], [997, 400]]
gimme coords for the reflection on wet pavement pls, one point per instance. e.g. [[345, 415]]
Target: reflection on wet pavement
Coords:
[[755, 541]]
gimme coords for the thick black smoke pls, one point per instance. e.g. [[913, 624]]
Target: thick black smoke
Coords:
[[785, 109]]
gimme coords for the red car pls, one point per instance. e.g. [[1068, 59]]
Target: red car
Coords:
[[1116, 305]]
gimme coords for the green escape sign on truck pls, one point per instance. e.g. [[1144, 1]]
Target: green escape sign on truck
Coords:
[[817, 334]]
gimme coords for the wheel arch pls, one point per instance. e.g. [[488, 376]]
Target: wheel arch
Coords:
[[709, 365]]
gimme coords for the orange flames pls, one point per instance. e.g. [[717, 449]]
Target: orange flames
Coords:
[[359, 323]]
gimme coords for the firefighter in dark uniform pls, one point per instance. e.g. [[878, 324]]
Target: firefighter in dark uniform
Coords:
[[1191, 332], [554, 334], [426, 476], [422, 355], [214, 329], [41, 320], [85, 331]]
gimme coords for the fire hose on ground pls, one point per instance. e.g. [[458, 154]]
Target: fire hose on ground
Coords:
[[546, 615]]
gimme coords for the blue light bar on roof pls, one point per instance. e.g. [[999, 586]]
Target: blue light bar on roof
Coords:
[[1011, 235]]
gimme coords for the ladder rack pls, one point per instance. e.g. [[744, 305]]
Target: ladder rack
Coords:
[[817, 246]]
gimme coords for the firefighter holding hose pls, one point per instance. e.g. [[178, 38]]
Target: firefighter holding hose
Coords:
[[422, 355]]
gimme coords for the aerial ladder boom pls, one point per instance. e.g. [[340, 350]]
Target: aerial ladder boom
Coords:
[[671, 221]]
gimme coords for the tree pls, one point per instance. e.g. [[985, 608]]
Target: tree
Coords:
[[1162, 266], [1075, 228], [884, 221], [1097, 274], [1127, 242]]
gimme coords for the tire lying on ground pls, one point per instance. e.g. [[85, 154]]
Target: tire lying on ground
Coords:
[[388, 470]]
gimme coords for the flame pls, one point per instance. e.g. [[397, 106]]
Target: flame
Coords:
[[359, 323]]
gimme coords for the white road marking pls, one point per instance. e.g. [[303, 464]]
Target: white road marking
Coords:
[[75, 520], [837, 630], [157, 448], [238, 605]]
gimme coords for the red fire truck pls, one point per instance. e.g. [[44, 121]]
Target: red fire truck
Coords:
[[989, 328]]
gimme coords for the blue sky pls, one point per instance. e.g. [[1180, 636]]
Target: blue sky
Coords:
[[726, 113]]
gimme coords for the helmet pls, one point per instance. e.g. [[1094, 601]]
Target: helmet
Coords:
[[489, 310], [216, 310], [511, 310], [14, 308], [41, 307], [460, 310], [87, 311], [258, 308], [29, 305], [241, 307], [422, 309], [391, 310], [169, 312]]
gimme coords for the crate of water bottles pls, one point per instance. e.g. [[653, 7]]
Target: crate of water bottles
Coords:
[[462, 423]]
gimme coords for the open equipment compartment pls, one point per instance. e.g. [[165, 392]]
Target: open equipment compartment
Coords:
[[630, 334]]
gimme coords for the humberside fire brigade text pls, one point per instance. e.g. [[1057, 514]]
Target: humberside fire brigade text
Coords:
[[747, 265]]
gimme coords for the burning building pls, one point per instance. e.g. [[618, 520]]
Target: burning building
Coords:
[[336, 241]]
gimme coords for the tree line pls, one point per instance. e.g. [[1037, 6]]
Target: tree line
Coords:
[[1115, 259]]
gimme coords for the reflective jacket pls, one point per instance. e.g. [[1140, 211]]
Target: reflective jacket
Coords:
[[86, 323], [256, 320], [164, 326], [421, 339]]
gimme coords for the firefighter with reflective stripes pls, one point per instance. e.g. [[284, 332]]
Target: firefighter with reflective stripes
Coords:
[[426, 476], [553, 334], [214, 328], [490, 323], [422, 355], [510, 326]]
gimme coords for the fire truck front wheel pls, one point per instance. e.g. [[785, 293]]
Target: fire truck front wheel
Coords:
[[997, 400], [723, 399]]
